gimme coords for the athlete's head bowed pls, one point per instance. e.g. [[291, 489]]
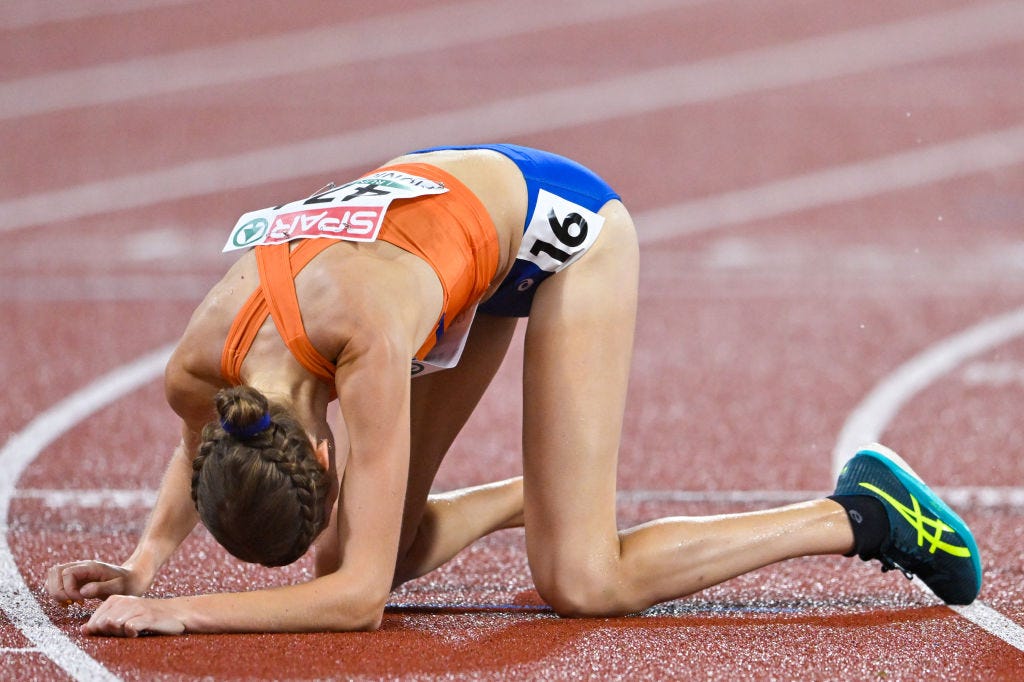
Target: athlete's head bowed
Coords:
[[256, 482]]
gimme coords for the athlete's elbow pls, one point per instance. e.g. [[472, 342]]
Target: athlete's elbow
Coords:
[[370, 617], [363, 612], [356, 622]]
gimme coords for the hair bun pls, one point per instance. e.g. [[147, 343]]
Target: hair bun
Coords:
[[243, 411]]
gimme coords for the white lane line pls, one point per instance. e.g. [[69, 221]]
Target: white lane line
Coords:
[[17, 602], [995, 374], [28, 13], [965, 30], [990, 620], [868, 421], [983, 497], [849, 182], [106, 287], [373, 39], [130, 498], [16, 599], [104, 498]]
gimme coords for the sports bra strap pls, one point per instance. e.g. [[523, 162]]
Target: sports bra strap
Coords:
[[278, 268], [278, 265]]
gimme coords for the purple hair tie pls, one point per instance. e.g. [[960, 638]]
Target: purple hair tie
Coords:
[[262, 425]]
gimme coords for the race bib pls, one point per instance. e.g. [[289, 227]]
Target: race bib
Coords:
[[558, 233], [448, 351], [351, 212]]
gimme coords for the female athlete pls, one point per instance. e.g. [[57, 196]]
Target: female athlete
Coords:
[[433, 257]]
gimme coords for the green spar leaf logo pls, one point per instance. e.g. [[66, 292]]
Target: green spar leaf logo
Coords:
[[250, 233]]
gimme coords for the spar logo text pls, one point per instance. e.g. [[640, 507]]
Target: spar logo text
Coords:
[[357, 223]]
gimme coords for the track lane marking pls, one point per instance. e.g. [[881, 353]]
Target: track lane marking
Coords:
[[367, 40], [32, 13], [6, 502], [16, 599], [983, 497], [869, 419], [848, 182], [820, 58], [839, 53]]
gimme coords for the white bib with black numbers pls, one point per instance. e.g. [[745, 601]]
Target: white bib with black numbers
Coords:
[[558, 233]]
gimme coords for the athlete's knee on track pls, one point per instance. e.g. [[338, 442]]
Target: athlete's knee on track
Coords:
[[582, 590]]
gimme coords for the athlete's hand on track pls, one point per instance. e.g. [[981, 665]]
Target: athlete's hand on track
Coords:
[[121, 616], [81, 580]]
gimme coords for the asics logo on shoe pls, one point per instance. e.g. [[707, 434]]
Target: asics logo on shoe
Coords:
[[921, 523]]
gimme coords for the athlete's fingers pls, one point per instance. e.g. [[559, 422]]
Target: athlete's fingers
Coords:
[[122, 616], [130, 629], [54, 584], [73, 577], [75, 581], [108, 619], [102, 590]]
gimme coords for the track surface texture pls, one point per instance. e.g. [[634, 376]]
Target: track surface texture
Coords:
[[830, 198]]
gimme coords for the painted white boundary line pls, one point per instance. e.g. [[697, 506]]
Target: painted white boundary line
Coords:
[[949, 33], [849, 182], [976, 497], [129, 498], [390, 36], [16, 599], [19, 605], [870, 418], [867, 421], [674, 86], [28, 13]]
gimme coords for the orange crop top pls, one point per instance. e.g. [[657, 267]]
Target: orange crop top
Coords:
[[451, 231]]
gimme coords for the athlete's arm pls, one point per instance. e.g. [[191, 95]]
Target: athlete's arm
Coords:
[[172, 519], [373, 390], [174, 515]]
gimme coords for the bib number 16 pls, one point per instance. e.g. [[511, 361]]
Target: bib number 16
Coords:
[[559, 232]]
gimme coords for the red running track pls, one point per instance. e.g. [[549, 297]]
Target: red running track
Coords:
[[830, 207]]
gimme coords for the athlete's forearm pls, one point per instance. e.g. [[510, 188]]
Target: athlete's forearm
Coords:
[[339, 602], [172, 519], [454, 520], [334, 603]]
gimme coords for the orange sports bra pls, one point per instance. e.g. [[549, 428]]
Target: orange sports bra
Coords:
[[451, 231]]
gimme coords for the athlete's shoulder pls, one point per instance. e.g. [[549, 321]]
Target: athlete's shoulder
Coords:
[[188, 389]]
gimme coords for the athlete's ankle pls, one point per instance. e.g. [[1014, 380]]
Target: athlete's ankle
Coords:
[[869, 523]]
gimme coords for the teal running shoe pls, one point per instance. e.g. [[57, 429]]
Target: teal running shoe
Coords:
[[926, 538]]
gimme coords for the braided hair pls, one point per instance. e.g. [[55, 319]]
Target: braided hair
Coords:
[[256, 482]]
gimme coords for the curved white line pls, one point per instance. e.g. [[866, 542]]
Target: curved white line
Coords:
[[788, 66], [16, 599], [869, 419], [17, 602]]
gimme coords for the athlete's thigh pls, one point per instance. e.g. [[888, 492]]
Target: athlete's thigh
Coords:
[[441, 404], [578, 352]]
